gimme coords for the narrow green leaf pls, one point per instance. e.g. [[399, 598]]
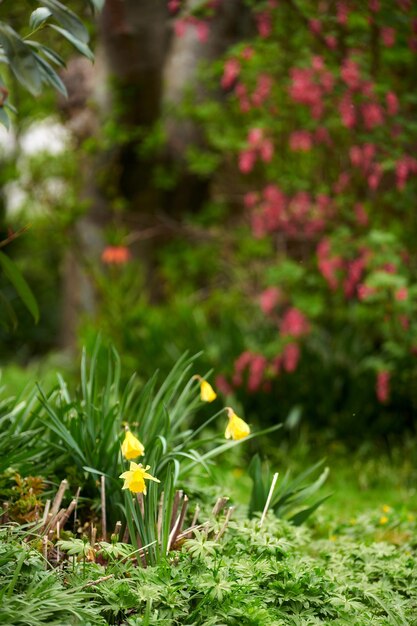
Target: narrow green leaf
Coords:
[[48, 52], [20, 284], [38, 17], [50, 76], [4, 118], [77, 43], [68, 20], [301, 516], [21, 59]]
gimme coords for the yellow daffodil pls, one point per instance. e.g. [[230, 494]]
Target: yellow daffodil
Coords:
[[207, 393], [132, 447], [135, 478], [236, 428]]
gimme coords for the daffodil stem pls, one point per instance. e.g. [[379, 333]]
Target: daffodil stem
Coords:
[[268, 500]]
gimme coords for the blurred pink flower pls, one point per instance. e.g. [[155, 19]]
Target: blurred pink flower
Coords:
[[364, 292], [247, 160], [355, 154], [262, 89], [290, 357], [342, 13], [388, 36], [231, 71], [350, 74], [331, 42], [174, 5], [354, 274], [294, 323], [361, 215], [347, 111], [382, 387], [392, 103], [180, 27], [401, 294], [269, 299], [256, 372], [223, 385], [250, 199], [203, 29], [342, 182], [267, 150], [372, 114], [264, 24], [301, 141], [247, 53], [315, 26], [375, 176], [255, 137]]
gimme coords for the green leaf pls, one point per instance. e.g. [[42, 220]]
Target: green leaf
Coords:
[[21, 59], [4, 118], [68, 20], [50, 76], [96, 5], [20, 284], [38, 17], [301, 516], [79, 45], [50, 54]]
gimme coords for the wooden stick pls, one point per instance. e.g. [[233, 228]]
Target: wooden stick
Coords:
[[219, 506], [93, 536], [45, 549], [225, 524], [117, 529], [68, 512], [46, 512], [58, 498], [181, 518], [268, 500], [173, 533], [177, 498], [196, 514], [188, 532], [103, 508], [160, 516], [92, 583], [58, 535]]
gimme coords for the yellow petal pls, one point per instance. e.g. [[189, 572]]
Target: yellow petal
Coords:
[[237, 428], [135, 478], [132, 447], [207, 393]]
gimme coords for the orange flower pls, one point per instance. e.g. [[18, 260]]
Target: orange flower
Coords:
[[115, 255]]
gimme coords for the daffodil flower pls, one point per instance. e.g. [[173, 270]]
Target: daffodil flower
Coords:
[[132, 447], [135, 478], [207, 393], [237, 428]]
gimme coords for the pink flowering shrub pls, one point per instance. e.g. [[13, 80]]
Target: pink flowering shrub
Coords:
[[318, 125]]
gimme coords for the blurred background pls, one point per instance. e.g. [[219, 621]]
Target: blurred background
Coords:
[[233, 177]]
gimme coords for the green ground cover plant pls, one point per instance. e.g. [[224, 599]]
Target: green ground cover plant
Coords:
[[273, 575]]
